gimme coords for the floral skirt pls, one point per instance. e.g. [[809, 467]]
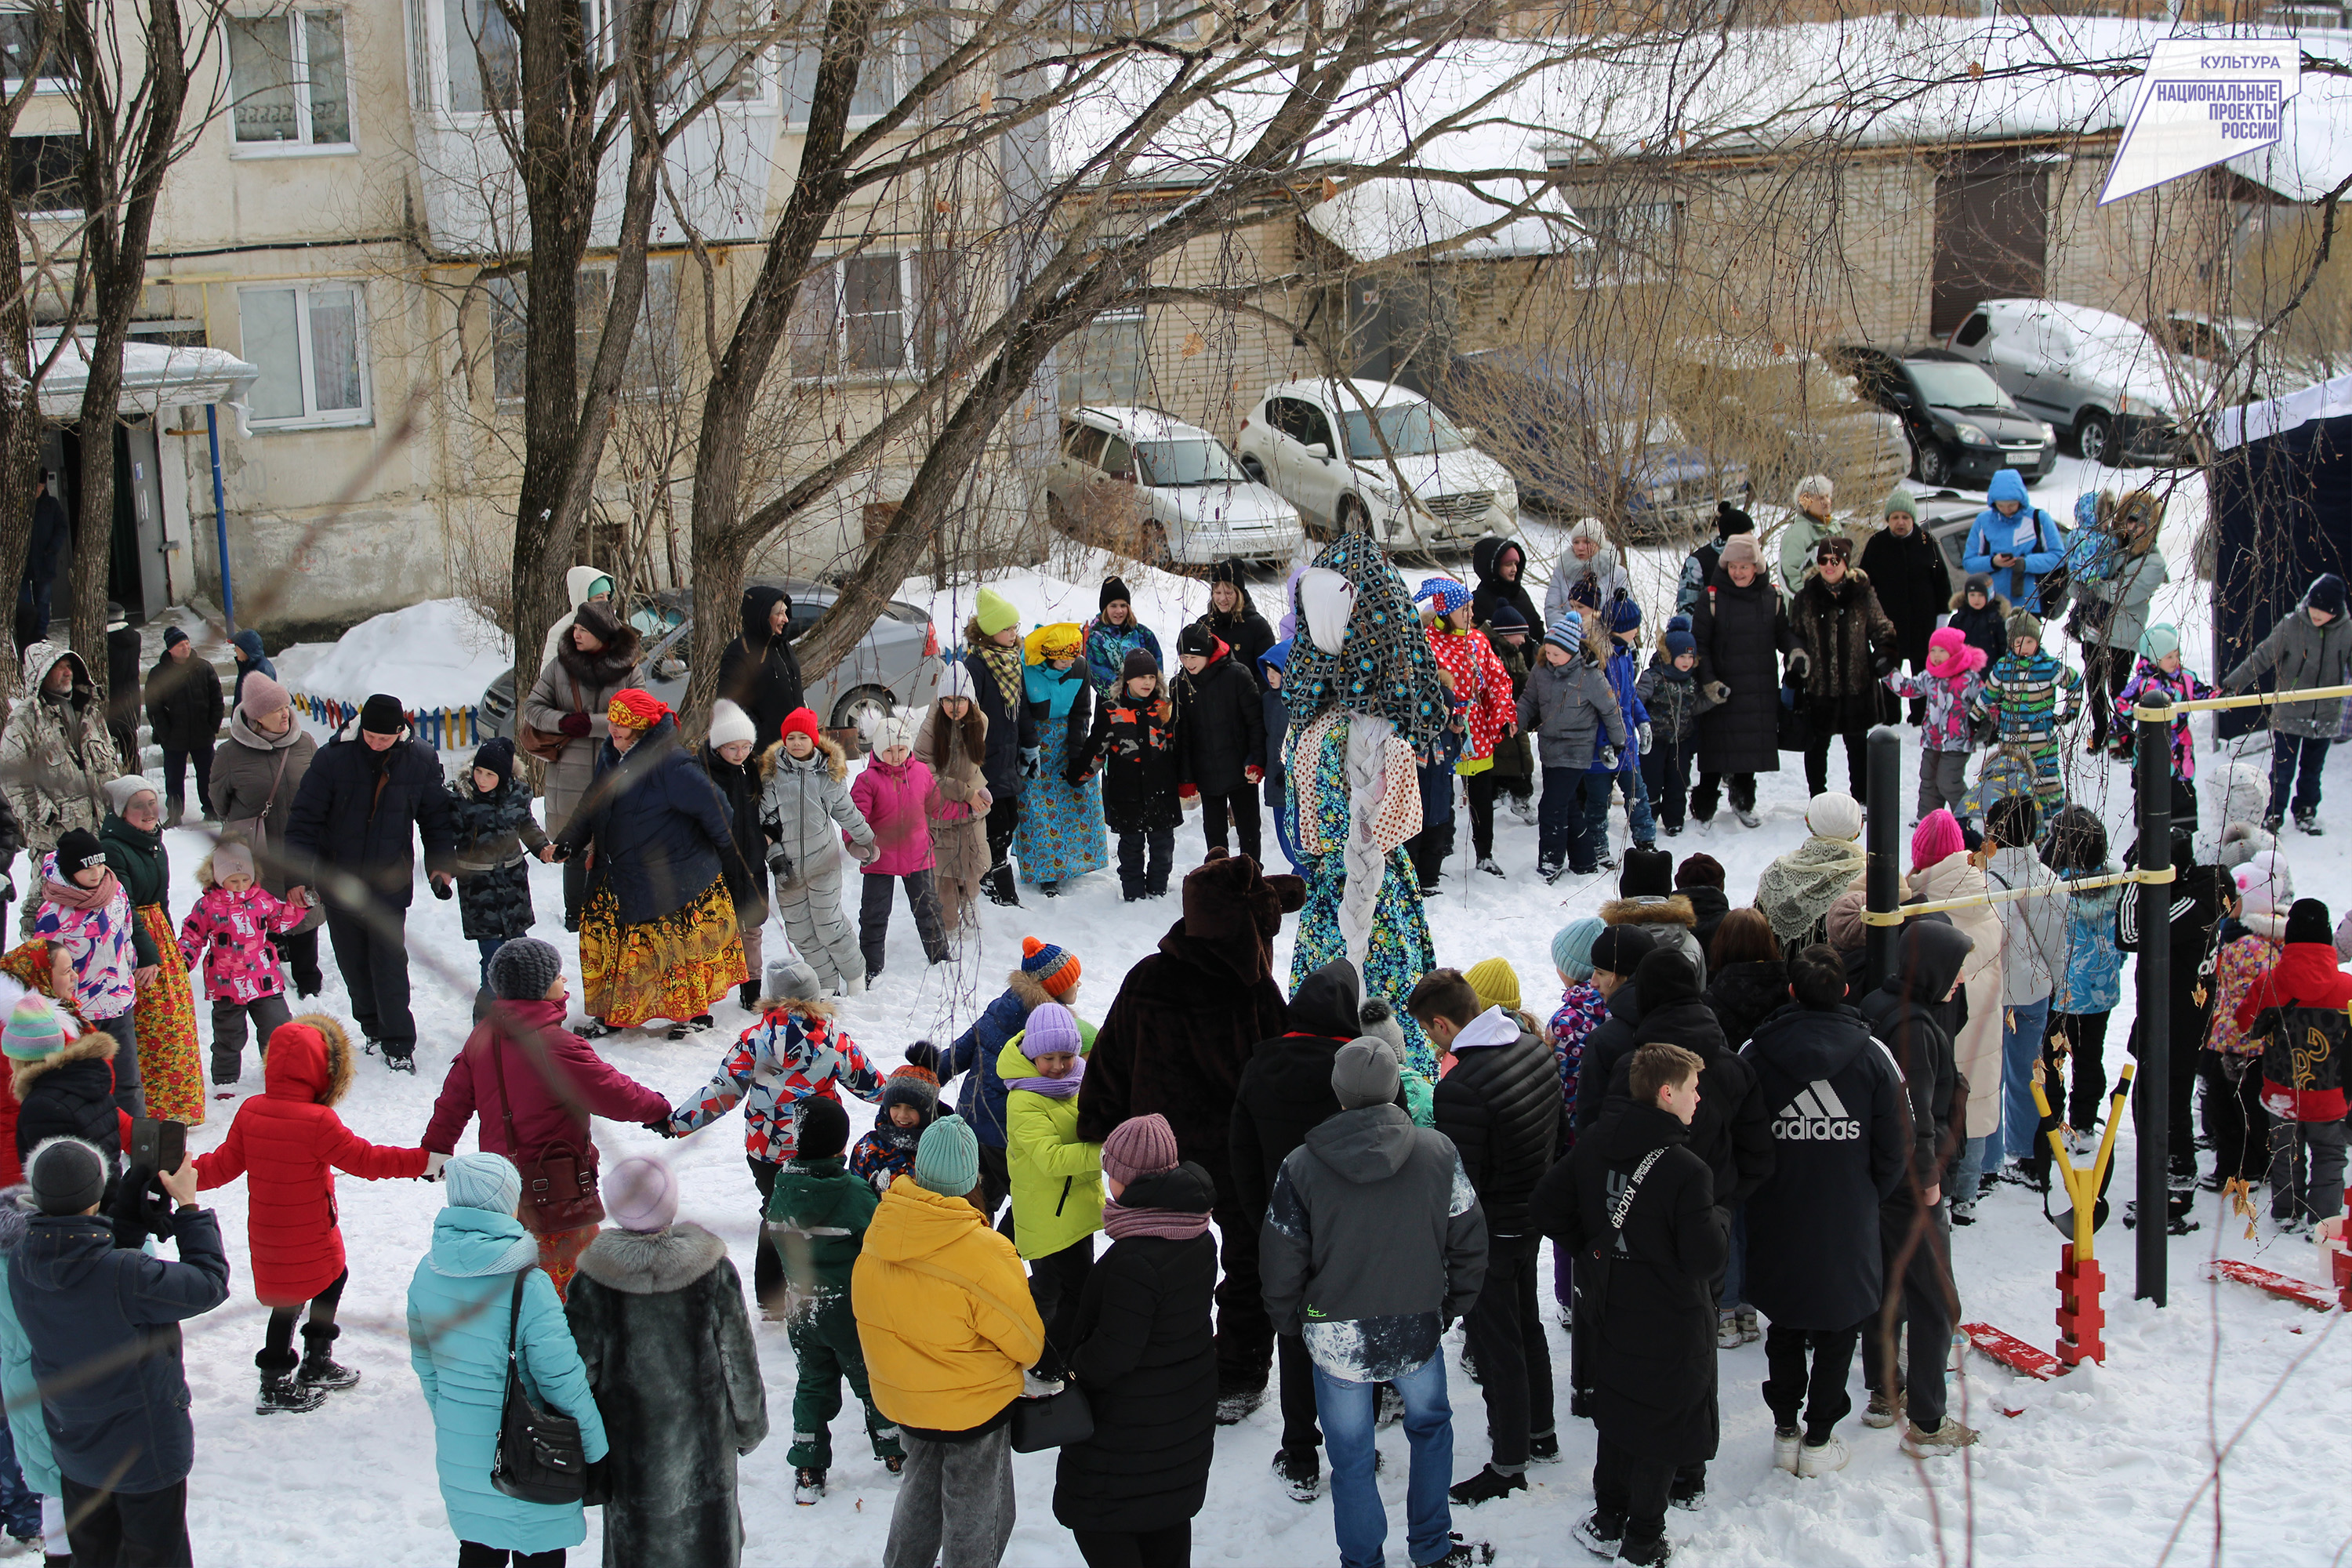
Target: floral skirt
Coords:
[[674, 966], [1061, 832], [170, 1066], [1399, 951]]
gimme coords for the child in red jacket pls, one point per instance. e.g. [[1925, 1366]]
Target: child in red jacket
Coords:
[[231, 927], [2298, 1012], [286, 1143]]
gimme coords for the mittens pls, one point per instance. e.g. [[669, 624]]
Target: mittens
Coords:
[[573, 724]]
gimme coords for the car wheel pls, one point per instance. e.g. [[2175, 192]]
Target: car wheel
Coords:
[[860, 706], [1352, 517], [1932, 463], [2094, 437]]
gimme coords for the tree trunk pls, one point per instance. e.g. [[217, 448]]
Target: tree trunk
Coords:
[[20, 433]]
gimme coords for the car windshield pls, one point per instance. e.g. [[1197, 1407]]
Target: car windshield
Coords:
[[1188, 462], [1947, 385], [1407, 429]]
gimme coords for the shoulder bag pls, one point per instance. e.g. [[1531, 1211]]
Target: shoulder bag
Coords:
[[2055, 586], [559, 1188], [538, 1456], [1051, 1420], [547, 746]]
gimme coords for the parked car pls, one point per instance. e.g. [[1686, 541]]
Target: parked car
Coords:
[[896, 665], [1580, 438], [2237, 350], [2108, 386], [1357, 455], [1164, 491], [1963, 428], [1786, 413], [1946, 515]]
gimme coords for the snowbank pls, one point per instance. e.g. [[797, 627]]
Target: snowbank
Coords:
[[438, 653]]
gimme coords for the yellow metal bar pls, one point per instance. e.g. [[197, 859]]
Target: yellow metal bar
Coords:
[[2083, 1185], [2010, 895], [2248, 700]]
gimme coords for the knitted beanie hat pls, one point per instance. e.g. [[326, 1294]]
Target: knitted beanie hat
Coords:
[[231, 859], [955, 680], [1648, 874], [2266, 885], [640, 1191], [67, 1175], [1197, 640], [1572, 946], [1364, 1072], [2309, 922], [497, 756], [2025, 623], [1114, 592], [482, 1180], [78, 850], [1937, 838], [263, 696], [1056, 968], [1620, 949], [1565, 633], [789, 976], [34, 1029], [1700, 870], [2159, 639], [1898, 500], [823, 1129], [383, 715], [120, 792], [1624, 615], [1052, 1027], [523, 968], [1833, 813], [729, 723], [947, 1161], [1495, 982], [994, 612], [1138, 1147], [1943, 646]]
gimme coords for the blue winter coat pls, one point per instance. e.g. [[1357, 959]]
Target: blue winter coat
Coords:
[[458, 1305], [2019, 583], [975, 1050], [115, 1419], [658, 823], [1275, 710], [1624, 673], [17, 1383], [1107, 646], [2094, 964]]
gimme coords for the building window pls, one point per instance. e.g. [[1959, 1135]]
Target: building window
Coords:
[[20, 45], [485, 57], [727, 57], [1103, 362], [287, 84], [44, 173], [892, 68], [306, 341], [1630, 232], [652, 366], [873, 314]]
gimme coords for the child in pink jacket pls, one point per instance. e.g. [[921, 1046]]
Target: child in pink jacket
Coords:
[[231, 926], [897, 794]]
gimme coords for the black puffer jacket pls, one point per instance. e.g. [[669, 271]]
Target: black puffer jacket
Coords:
[[1244, 631], [1732, 1132], [184, 702], [70, 1093], [1500, 1104], [1286, 1089], [1010, 730], [1487, 558], [1135, 746], [1742, 996], [1741, 633], [1612, 1039], [757, 673], [1839, 1143], [1147, 1361], [1652, 1322], [1908, 1016], [1219, 728], [360, 811], [746, 868]]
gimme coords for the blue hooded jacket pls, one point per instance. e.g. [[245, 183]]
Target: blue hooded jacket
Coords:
[[255, 662], [1992, 534]]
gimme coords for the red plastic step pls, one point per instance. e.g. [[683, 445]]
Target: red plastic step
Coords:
[[2302, 1292], [2014, 1352]]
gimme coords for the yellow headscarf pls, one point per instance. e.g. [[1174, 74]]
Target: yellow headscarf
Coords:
[[1063, 639]]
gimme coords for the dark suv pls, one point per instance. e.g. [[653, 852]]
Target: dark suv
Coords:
[[1963, 428]]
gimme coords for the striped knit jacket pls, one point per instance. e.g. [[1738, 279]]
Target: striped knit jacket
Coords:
[[2027, 698]]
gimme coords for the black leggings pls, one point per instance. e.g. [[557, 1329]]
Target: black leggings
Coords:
[[474, 1554], [767, 1267], [1171, 1547], [2111, 668], [278, 1339]]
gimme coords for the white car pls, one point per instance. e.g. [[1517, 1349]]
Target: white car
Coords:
[[2098, 377], [1371, 456], [1170, 492]]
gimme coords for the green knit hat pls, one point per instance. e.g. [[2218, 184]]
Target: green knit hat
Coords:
[[947, 1161], [1899, 499], [33, 1030], [995, 614]]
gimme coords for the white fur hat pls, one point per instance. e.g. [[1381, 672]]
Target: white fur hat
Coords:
[[728, 723], [2264, 883]]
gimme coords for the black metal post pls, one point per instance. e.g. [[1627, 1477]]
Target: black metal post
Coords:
[[1882, 887], [2155, 765]]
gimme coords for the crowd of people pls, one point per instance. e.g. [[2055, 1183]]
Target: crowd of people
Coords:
[[1729, 1128]]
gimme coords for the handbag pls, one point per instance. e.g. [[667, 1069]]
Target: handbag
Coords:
[[538, 1457], [547, 746], [1794, 730], [558, 1189], [1051, 1420]]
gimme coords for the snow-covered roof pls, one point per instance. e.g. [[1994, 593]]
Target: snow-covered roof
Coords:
[[1482, 111], [1374, 219], [154, 375], [2252, 421]]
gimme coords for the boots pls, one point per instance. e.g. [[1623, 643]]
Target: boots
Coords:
[[283, 1394], [319, 1370]]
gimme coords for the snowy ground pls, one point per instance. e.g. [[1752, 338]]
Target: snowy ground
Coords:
[[2111, 1469]]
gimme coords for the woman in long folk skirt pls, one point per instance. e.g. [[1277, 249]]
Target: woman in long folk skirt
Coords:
[[1061, 832]]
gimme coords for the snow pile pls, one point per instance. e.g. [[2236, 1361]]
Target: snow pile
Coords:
[[438, 653]]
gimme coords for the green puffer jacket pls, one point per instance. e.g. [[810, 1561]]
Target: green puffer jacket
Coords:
[[1057, 1192], [817, 1216]]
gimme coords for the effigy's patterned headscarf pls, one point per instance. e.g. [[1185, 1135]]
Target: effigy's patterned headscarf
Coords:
[[1383, 664]]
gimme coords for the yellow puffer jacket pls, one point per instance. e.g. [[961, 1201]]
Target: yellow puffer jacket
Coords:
[[1057, 1191], [943, 1312]]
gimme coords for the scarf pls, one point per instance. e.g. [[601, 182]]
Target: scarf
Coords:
[[1168, 1224], [1006, 665], [74, 896], [1053, 1088], [1797, 890]]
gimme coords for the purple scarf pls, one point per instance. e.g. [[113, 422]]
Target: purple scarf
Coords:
[[1169, 1225], [1053, 1088]]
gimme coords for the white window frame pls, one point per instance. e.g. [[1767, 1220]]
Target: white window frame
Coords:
[[331, 419], [798, 68], [299, 58], [649, 373], [50, 84], [438, 50], [51, 215], [915, 351], [756, 88]]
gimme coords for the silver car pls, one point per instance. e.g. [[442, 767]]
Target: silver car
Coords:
[[1152, 487], [896, 665], [2117, 393]]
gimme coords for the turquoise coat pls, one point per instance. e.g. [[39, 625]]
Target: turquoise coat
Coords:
[[457, 1306], [21, 1389]]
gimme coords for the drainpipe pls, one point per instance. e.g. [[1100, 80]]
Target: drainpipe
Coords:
[[220, 517]]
